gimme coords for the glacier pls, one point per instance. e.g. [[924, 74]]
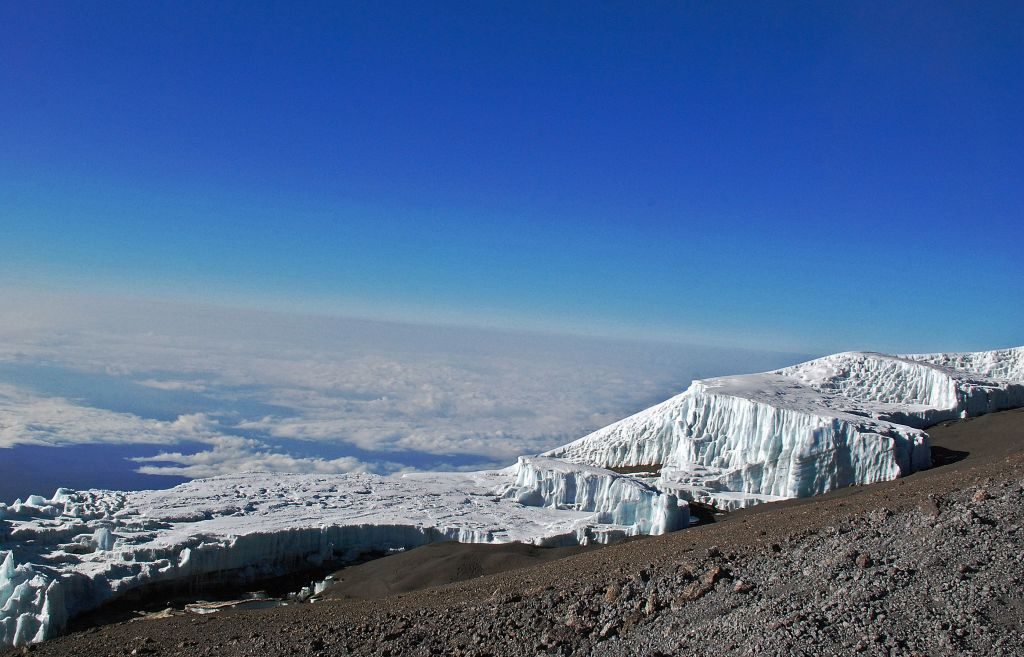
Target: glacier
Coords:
[[847, 419], [73, 552]]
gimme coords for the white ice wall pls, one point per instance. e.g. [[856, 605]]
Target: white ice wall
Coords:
[[789, 452], [32, 606], [753, 446], [851, 418], [618, 499]]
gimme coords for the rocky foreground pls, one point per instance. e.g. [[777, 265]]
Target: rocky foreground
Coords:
[[931, 564]]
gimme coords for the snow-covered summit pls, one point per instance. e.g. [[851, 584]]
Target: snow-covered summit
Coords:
[[918, 390], [849, 418]]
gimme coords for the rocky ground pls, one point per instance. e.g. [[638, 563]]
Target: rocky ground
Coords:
[[928, 565]]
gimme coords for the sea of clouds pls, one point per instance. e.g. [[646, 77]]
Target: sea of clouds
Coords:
[[223, 390]]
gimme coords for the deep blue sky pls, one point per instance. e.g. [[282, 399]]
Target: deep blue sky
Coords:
[[810, 176]]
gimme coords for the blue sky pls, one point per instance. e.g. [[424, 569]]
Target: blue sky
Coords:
[[801, 176]]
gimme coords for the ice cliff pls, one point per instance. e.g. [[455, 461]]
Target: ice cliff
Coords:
[[617, 499], [850, 418]]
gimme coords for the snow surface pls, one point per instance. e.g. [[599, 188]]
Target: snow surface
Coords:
[[846, 419], [851, 418]]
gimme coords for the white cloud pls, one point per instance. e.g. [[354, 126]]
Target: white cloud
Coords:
[[28, 419], [229, 454], [31, 419], [190, 386]]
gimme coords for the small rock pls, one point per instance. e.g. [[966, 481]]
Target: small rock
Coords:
[[981, 495], [863, 560], [930, 507], [652, 603], [879, 516], [712, 575], [700, 588]]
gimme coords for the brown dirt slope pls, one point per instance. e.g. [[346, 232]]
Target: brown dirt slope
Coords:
[[437, 564]]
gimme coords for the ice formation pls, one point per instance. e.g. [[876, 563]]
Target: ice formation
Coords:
[[845, 419], [851, 418], [618, 500]]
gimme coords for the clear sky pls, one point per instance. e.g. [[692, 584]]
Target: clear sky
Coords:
[[812, 176]]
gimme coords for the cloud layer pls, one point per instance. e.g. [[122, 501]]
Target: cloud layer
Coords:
[[243, 384], [30, 419], [228, 454]]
